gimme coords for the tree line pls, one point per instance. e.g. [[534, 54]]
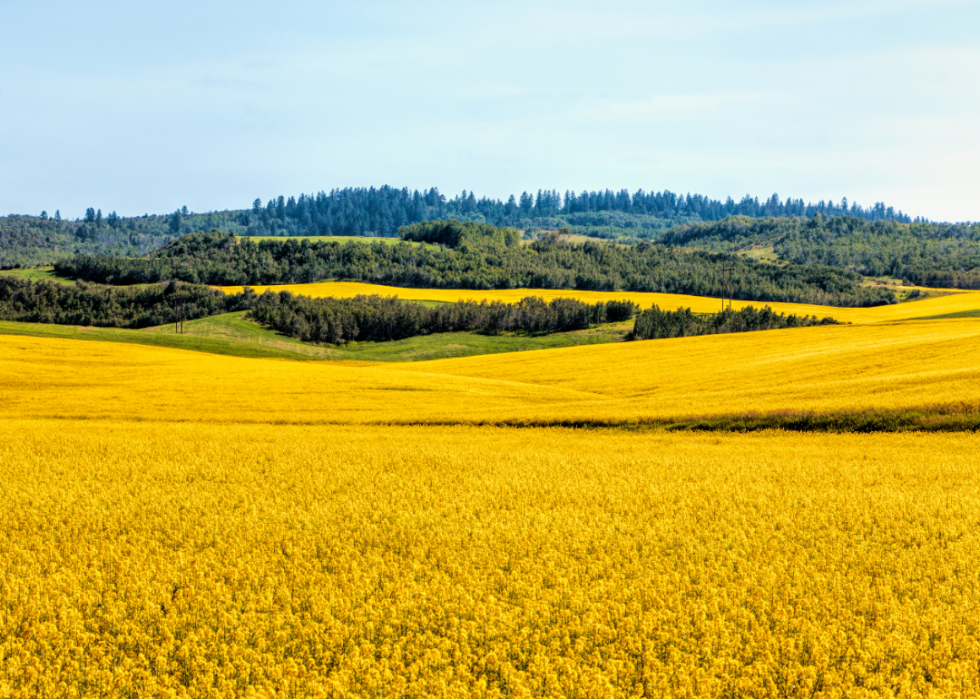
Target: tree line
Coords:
[[480, 263], [381, 319], [33, 240], [114, 307], [381, 211], [655, 323], [926, 254], [43, 240]]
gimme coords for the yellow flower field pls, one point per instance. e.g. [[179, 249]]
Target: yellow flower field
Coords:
[[957, 301], [200, 560], [180, 524], [829, 368]]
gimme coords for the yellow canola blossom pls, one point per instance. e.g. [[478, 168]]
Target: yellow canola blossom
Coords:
[[197, 560], [830, 368], [178, 524], [957, 301]]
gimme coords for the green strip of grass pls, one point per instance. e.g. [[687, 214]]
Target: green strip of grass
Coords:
[[939, 418], [973, 313], [942, 418], [36, 274], [211, 345], [232, 334]]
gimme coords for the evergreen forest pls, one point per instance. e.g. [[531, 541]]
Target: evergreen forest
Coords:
[[379, 319], [656, 323], [381, 211], [925, 254], [876, 241], [112, 306], [479, 257]]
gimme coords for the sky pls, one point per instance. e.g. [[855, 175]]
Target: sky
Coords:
[[136, 108]]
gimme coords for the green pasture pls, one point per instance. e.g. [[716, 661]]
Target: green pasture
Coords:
[[36, 274], [231, 334]]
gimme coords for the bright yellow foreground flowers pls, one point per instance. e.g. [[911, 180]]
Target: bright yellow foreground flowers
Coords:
[[174, 524], [192, 560]]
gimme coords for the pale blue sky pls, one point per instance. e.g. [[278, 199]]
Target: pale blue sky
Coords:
[[210, 104]]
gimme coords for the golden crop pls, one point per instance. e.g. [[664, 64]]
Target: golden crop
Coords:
[[830, 368], [956, 301], [196, 560], [176, 524]]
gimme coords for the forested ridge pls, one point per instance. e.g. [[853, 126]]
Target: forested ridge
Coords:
[[877, 241], [479, 261], [927, 254], [381, 211]]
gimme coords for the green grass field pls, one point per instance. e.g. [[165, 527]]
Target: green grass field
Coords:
[[36, 274], [231, 334], [761, 253], [197, 343], [960, 314]]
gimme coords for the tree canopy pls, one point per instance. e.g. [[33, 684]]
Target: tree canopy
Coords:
[[485, 262]]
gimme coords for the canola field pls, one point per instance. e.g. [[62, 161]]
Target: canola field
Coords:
[[184, 560], [956, 301], [179, 524], [822, 369]]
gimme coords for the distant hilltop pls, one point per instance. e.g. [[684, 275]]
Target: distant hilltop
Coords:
[[370, 211], [381, 210]]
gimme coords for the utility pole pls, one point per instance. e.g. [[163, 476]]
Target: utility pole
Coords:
[[178, 312], [727, 284]]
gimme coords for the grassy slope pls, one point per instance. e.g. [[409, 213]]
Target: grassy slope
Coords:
[[36, 274], [230, 334], [211, 345]]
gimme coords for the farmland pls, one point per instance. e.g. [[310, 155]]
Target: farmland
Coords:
[[824, 369], [583, 521], [181, 558], [288, 413]]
